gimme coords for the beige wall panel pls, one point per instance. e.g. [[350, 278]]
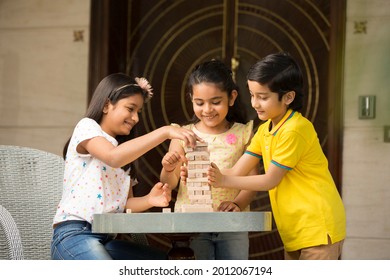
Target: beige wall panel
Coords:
[[363, 249], [43, 13], [43, 77], [366, 157], [43, 71], [368, 8], [367, 69], [366, 183]]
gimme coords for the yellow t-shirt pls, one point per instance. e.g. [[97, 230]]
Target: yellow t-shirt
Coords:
[[306, 204], [225, 149]]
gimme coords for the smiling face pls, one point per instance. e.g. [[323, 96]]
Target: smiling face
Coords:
[[267, 103], [120, 118], [211, 106]]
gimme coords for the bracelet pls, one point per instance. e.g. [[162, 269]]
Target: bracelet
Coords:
[[236, 205]]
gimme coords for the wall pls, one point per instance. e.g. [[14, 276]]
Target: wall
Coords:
[[366, 158], [43, 71]]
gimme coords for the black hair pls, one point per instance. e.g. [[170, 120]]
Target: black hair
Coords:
[[216, 72], [281, 73], [111, 89]]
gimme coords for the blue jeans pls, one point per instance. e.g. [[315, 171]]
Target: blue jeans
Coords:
[[221, 246], [74, 240]]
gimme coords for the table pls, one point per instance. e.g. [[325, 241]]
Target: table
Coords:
[[180, 226]]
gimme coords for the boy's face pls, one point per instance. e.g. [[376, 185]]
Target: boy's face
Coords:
[[267, 103]]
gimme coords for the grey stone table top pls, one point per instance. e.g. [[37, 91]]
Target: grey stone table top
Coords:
[[158, 222]]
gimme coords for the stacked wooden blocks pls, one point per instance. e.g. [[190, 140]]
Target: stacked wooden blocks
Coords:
[[199, 191]]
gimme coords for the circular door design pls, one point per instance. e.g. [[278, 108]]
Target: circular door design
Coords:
[[167, 39]]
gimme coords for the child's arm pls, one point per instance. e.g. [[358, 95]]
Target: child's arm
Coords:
[[130, 150], [171, 162], [242, 200], [159, 196], [264, 182]]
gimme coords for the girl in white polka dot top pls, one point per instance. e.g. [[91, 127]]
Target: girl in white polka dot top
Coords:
[[97, 172]]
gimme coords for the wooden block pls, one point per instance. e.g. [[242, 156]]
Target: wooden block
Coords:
[[203, 196], [191, 166], [190, 157], [196, 208], [198, 190], [201, 144], [202, 180], [128, 211], [201, 162], [198, 201], [198, 153], [190, 192], [201, 171], [197, 185]]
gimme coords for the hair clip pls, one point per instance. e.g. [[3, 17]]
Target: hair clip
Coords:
[[145, 86]]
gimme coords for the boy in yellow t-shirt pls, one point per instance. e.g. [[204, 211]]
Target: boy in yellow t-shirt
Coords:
[[306, 205]]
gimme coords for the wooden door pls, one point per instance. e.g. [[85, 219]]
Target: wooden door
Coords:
[[164, 40]]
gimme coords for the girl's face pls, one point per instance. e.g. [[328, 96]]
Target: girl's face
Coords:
[[267, 103], [120, 118], [211, 106]]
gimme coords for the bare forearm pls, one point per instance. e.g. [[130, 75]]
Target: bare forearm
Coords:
[[130, 151], [244, 198], [138, 204], [250, 183], [171, 163], [263, 182], [170, 178]]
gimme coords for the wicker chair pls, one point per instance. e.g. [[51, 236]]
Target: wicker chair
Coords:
[[13, 246], [30, 189]]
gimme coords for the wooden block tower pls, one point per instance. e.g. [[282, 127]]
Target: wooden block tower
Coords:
[[199, 191]]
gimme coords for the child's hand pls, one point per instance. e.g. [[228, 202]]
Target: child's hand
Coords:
[[171, 160], [183, 174], [187, 135], [228, 206], [214, 176], [160, 195]]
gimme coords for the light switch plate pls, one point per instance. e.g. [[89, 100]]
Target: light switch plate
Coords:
[[367, 107]]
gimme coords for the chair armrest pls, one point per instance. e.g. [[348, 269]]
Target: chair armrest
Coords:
[[12, 235]]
